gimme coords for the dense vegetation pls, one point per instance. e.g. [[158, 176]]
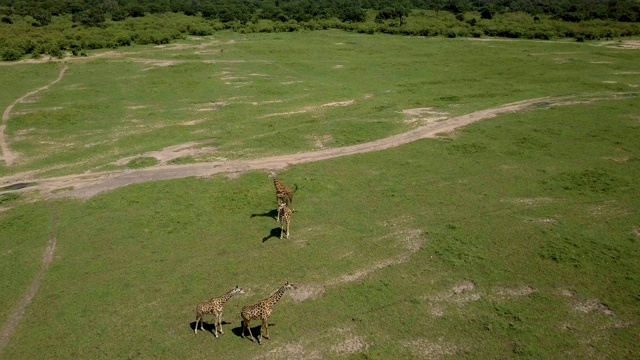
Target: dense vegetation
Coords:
[[54, 27]]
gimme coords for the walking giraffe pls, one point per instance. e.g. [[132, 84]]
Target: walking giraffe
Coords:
[[214, 307], [284, 217], [284, 194], [262, 311]]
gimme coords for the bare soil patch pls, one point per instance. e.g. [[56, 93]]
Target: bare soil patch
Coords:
[[628, 44], [352, 345], [420, 112], [307, 292], [509, 293], [319, 141], [593, 305], [459, 295], [530, 201], [291, 351], [411, 239], [307, 109], [432, 350], [170, 153]]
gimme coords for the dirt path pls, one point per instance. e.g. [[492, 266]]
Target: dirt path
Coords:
[[18, 314], [7, 155], [87, 186]]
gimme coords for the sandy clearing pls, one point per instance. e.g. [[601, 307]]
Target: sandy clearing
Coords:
[[9, 157]]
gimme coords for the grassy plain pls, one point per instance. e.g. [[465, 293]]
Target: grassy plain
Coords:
[[514, 237], [231, 92]]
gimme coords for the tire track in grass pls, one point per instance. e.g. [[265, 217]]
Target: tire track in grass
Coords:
[[8, 156], [19, 313]]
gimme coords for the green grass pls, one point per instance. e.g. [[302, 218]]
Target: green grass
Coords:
[[543, 201], [110, 108]]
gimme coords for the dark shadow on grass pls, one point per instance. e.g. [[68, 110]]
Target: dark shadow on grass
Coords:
[[207, 327], [271, 213], [275, 233], [23, 185], [254, 330]]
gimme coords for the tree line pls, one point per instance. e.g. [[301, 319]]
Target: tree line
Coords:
[[96, 12], [58, 27]]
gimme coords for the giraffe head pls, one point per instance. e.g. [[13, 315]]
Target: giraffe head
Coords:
[[237, 290], [289, 286], [272, 174]]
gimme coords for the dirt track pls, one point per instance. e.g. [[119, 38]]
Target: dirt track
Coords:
[[89, 185], [18, 313], [7, 155]]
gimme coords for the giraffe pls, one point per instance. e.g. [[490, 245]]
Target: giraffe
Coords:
[[284, 194], [214, 307], [262, 311], [284, 217]]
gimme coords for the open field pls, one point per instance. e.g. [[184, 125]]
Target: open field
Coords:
[[516, 236]]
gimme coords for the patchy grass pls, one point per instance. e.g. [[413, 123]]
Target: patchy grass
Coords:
[[439, 243], [268, 94], [142, 162], [513, 237]]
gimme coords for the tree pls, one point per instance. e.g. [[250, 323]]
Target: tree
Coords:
[[42, 16], [353, 14], [89, 18], [486, 14]]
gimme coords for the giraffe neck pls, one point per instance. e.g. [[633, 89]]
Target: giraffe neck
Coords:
[[224, 298], [273, 299]]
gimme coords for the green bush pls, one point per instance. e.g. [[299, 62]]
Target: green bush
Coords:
[[10, 54]]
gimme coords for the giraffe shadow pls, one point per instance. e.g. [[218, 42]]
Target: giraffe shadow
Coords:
[[254, 330], [271, 213], [274, 233], [207, 327]]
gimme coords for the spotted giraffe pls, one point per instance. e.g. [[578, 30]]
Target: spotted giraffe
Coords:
[[284, 217], [214, 307], [284, 194], [262, 311]]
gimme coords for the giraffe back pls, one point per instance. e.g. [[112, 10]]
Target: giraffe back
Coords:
[[216, 304], [284, 194], [263, 308], [284, 214]]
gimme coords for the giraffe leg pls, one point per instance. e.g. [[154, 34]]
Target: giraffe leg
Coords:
[[220, 323], [260, 336], [250, 334], [288, 223], [195, 331], [215, 326], [265, 327]]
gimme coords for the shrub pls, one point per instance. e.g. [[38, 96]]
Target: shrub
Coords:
[[486, 14], [10, 54]]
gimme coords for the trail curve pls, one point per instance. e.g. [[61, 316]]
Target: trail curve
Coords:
[[8, 156]]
